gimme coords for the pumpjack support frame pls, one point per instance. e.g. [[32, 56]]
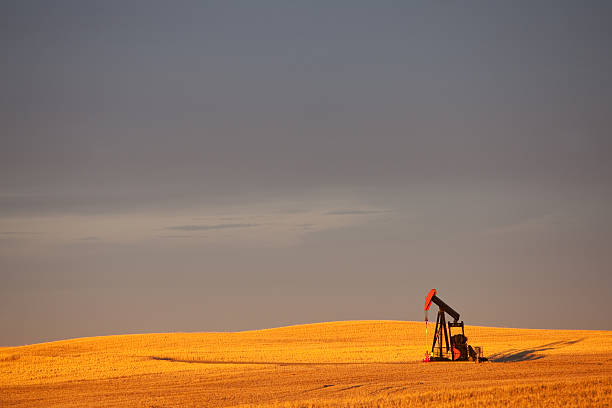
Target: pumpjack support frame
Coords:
[[443, 337], [443, 331]]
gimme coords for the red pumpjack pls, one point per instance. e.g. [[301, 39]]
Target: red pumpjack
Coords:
[[444, 342]]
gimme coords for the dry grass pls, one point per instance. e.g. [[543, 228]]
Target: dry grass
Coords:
[[340, 364]]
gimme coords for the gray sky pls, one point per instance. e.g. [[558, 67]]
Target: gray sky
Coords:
[[199, 166]]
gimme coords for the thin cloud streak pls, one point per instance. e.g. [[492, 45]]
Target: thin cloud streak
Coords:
[[210, 227], [355, 212], [19, 233]]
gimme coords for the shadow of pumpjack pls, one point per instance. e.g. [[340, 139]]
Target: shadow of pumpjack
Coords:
[[530, 354]]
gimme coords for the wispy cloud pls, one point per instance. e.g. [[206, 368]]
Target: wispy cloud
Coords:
[[209, 227], [268, 224], [355, 212], [307, 225]]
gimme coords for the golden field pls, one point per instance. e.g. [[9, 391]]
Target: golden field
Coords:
[[338, 364]]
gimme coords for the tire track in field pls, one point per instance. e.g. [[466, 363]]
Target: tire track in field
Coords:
[[280, 363]]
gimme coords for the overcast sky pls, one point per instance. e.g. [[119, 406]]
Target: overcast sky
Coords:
[[232, 165]]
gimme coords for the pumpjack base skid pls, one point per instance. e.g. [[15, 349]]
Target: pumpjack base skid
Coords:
[[434, 359]]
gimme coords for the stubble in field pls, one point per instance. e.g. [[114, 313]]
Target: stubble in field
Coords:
[[340, 364]]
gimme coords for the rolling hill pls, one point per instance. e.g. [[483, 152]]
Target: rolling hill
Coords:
[[336, 364]]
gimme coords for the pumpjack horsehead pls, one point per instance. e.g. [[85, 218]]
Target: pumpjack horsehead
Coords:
[[444, 342]]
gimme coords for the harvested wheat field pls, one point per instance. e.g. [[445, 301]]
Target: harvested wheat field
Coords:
[[339, 364]]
